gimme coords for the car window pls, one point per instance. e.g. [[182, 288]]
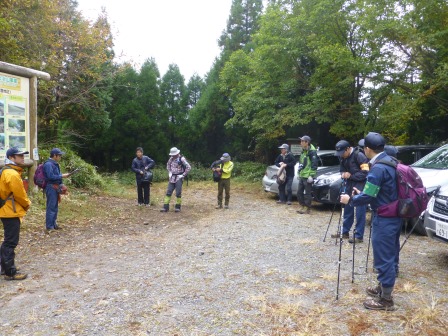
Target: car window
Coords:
[[437, 159], [406, 156], [329, 159]]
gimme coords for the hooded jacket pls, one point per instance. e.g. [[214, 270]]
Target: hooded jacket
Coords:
[[11, 182]]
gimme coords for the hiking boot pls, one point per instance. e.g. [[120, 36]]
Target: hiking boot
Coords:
[[380, 304], [281, 202], [356, 240], [165, 208], [338, 235], [177, 208], [374, 291], [289, 203], [218, 207], [226, 206], [301, 209], [17, 276], [304, 211]]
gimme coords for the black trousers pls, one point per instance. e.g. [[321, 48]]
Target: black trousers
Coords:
[[11, 228], [143, 192]]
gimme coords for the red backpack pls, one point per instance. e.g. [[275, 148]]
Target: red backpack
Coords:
[[412, 197], [39, 177]]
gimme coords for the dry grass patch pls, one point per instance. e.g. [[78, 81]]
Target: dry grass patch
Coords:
[[293, 291], [428, 318], [358, 323], [407, 287]]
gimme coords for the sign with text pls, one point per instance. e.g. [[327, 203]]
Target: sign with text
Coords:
[[14, 113]]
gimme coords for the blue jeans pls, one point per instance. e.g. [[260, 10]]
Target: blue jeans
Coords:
[[52, 207], [349, 216], [285, 190], [386, 248]]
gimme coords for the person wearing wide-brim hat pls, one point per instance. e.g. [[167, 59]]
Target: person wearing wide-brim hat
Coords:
[[380, 190], [225, 168], [178, 168]]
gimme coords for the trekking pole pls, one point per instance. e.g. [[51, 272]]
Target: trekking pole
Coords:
[[370, 237], [340, 251], [331, 217], [420, 218], [353, 259], [340, 227]]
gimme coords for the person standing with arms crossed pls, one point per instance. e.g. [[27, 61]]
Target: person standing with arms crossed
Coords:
[[12, 212], [225, 168], [308, 162], [380, 189]]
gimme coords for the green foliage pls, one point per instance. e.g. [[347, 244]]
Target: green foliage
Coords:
[[86, 178]]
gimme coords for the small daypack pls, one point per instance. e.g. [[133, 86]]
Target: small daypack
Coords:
[[412, 197], [39, 177]]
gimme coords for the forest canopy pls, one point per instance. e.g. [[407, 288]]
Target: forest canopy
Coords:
[[329, 69]]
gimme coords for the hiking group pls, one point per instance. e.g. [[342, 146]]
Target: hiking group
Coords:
[[178, 169], [372, 176]]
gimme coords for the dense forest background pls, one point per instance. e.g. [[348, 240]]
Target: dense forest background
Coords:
[[327, 68]]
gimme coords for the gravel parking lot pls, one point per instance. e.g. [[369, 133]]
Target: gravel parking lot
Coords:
[[255, 269]]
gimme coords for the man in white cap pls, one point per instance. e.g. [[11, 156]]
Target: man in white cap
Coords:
[[178, 169]]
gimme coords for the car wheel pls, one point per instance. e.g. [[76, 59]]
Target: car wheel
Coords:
[[419, 228]]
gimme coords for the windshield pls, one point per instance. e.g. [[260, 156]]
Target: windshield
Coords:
[[437, 159]]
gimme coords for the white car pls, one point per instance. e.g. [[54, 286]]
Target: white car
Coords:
[[327, 160], [433, 169], [436, 216]]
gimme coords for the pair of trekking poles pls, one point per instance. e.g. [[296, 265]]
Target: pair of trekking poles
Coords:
[[340, 228]]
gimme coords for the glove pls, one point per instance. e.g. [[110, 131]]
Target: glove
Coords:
[[310, 179]]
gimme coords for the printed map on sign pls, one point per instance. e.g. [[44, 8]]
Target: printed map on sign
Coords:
[[14, 113]]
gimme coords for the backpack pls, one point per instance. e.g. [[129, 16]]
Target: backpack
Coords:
[[412, 197], [3, 201], [216, 174], [39, 177], [281, 176]]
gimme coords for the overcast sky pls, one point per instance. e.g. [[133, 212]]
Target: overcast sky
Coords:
[[184, 32]]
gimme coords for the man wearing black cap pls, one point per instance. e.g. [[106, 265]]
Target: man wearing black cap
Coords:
[[308, 163], [380, 189], [53, 177], [354, 168], [286, 161], [16, 204]]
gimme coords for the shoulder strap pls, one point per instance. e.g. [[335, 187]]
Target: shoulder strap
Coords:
[[392, 164]]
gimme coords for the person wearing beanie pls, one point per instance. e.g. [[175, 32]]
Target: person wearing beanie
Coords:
[[287, 162], [225, 168], [380, 189], [178, 169]]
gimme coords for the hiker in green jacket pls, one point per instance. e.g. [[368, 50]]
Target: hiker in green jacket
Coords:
[[308, 163]]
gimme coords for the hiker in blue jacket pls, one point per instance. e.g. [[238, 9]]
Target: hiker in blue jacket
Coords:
[[380, 189], [140, 164], [54, 188]]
